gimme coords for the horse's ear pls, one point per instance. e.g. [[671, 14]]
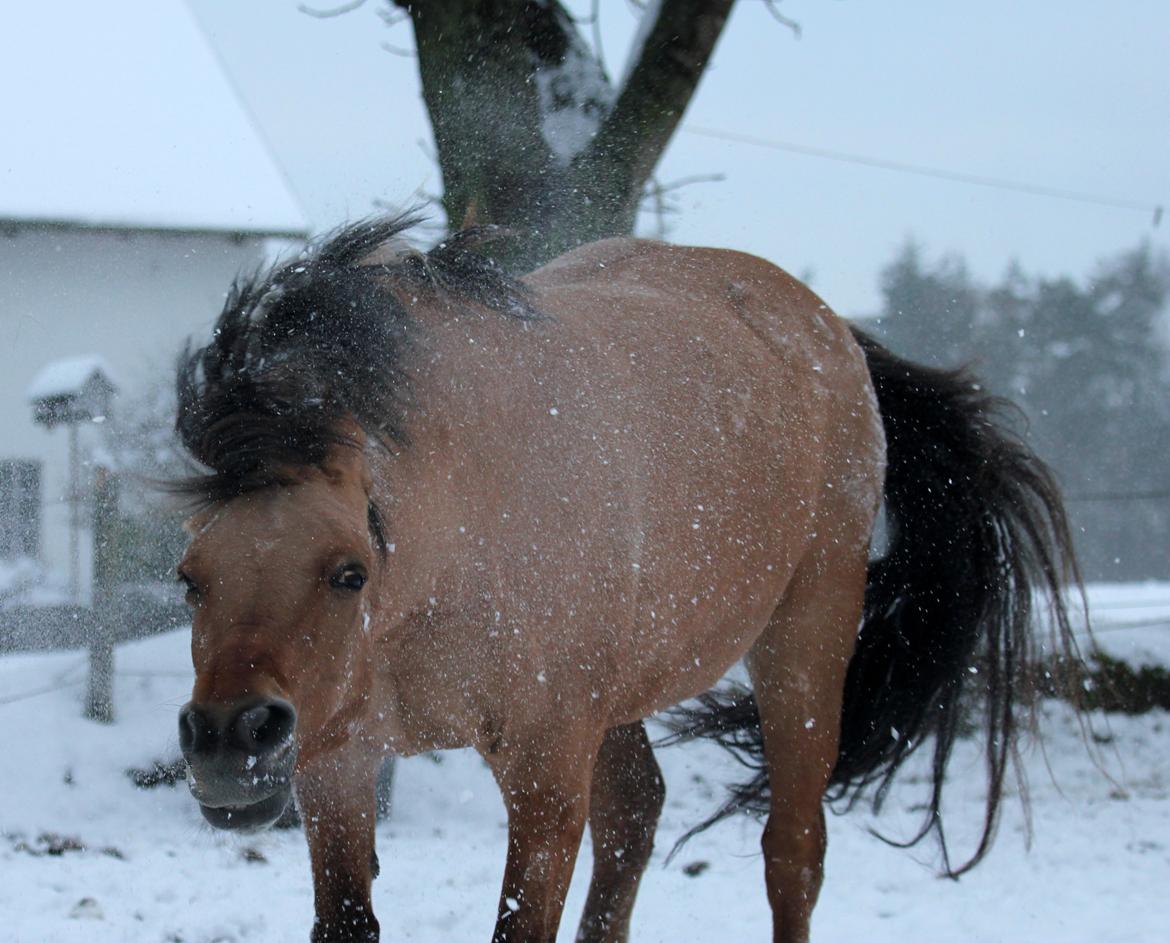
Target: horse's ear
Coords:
[[346, 459]]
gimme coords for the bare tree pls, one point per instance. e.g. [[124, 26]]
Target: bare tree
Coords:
[[532, 133]]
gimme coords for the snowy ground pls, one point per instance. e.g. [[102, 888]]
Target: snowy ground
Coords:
[[148, 869], [1131, 622]]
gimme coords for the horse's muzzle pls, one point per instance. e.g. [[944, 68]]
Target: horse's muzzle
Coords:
[[240, 760], [248, 817]]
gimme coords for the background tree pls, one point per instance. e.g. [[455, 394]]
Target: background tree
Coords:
[[1100, 403], [930, 312], [1089, 365]]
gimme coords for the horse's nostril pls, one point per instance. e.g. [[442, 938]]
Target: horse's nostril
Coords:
[[195, 733], [250, 725], [265, 726], [262, 727]]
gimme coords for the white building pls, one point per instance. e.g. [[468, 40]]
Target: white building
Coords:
[[133, 187]]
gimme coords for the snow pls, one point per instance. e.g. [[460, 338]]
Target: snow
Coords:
[[15, 574], [87, 857], [69, 375], [120, 115], [575, 97], [1131, 621]]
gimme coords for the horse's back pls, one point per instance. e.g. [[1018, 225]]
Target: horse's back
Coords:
[[711, 324], [730, 283]]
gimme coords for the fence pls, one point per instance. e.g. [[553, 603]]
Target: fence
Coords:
[[120, 612]]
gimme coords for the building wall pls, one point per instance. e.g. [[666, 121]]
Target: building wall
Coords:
[[130, 297]]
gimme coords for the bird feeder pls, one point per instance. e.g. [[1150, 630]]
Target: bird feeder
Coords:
[[72, 391], [68, 393]]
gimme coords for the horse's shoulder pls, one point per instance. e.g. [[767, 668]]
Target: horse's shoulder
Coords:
[[606, 259], [700, 283], [628, 259]]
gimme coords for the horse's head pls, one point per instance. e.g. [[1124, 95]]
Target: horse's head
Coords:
[[307, 359], [277, 581]]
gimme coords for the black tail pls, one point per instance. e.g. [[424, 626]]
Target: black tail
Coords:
[[976, 530]]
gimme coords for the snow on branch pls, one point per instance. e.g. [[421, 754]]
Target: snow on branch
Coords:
[[575, 93]]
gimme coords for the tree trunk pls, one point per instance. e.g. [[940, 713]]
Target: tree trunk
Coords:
[[531, 133]]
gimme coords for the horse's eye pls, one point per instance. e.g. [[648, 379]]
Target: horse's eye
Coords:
[[350, 577], [192, 594]]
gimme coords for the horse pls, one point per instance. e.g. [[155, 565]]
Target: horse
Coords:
[[440, 506]]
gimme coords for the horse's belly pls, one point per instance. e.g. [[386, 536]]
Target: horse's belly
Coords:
[[700, 609]]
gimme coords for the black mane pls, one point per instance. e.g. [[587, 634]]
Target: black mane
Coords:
[[304, 346]]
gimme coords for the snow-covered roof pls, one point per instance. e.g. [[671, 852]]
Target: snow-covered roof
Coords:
[[119, 114], [66, 376]]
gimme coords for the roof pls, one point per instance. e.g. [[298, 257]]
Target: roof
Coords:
[[119, 115], [67, 377]]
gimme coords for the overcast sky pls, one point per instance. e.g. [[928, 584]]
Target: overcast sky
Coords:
[[1071, 95]]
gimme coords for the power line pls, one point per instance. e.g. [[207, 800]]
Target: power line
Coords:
[[1126, 626], [1121, 604], [1120, 496], [938, 173]]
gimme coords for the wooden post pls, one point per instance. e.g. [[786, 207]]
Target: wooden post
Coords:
[[74, 516], [99, 701]]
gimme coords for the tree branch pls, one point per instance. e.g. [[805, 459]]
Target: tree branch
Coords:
[[657, 196], [526, 129], [657, 92], [782, 19], [334, 11]]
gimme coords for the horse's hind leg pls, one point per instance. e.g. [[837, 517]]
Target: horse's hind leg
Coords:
[[798, 673], [625, 801]]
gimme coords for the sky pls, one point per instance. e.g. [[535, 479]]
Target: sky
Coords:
[[108, 114], [1072, 96]]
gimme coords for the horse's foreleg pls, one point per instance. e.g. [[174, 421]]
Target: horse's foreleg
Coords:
[[336, 799], [798, 674], [627, 796], [546, 792]]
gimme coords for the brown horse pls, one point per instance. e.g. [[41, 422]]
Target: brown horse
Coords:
[[445, 508]]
